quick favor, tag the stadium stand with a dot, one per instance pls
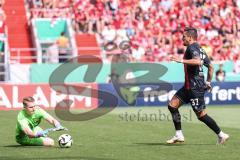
(19, 36)
(46, 33)
(155, 25)
(152, 28)
(87, 44)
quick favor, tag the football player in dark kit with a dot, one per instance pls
(194, 88)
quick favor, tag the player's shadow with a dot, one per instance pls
(176, 144)
(13, 146)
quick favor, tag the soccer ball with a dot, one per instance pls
(65, 141)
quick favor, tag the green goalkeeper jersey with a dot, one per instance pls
(32, 121)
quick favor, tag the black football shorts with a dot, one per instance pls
(193, 96)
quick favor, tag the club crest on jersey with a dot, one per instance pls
(36, 120)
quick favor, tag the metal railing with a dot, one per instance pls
(17, 54)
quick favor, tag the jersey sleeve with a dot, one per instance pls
(42, 113)
(195, 53)
(23, 123)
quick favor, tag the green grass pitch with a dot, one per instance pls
(131, 134)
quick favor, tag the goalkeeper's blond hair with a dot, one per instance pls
(27, 99)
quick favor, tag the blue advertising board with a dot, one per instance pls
(222, 93)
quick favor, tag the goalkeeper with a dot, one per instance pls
(27, 130)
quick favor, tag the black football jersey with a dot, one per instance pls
(194, 77)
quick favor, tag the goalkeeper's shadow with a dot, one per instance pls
(22, 146)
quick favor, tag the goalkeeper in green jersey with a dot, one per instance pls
(27, 130)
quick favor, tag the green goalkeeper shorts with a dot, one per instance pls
(26, 141)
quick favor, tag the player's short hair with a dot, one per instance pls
(192, 32)
(27, 99)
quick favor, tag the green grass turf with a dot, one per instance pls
(117, 137)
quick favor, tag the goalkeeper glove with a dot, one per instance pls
(43, 133)
(59, 127)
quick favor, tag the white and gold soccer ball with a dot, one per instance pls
(65, 141)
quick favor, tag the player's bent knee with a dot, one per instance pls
(172, 104)
(200, 114)
(175, 102)
(202, 119)
(48, 142)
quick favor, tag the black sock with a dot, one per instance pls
(210, 123)
(176, 117)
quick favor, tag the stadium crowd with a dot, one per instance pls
(153, 27)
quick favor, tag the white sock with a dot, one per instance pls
(179, 133)
(221, 134)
